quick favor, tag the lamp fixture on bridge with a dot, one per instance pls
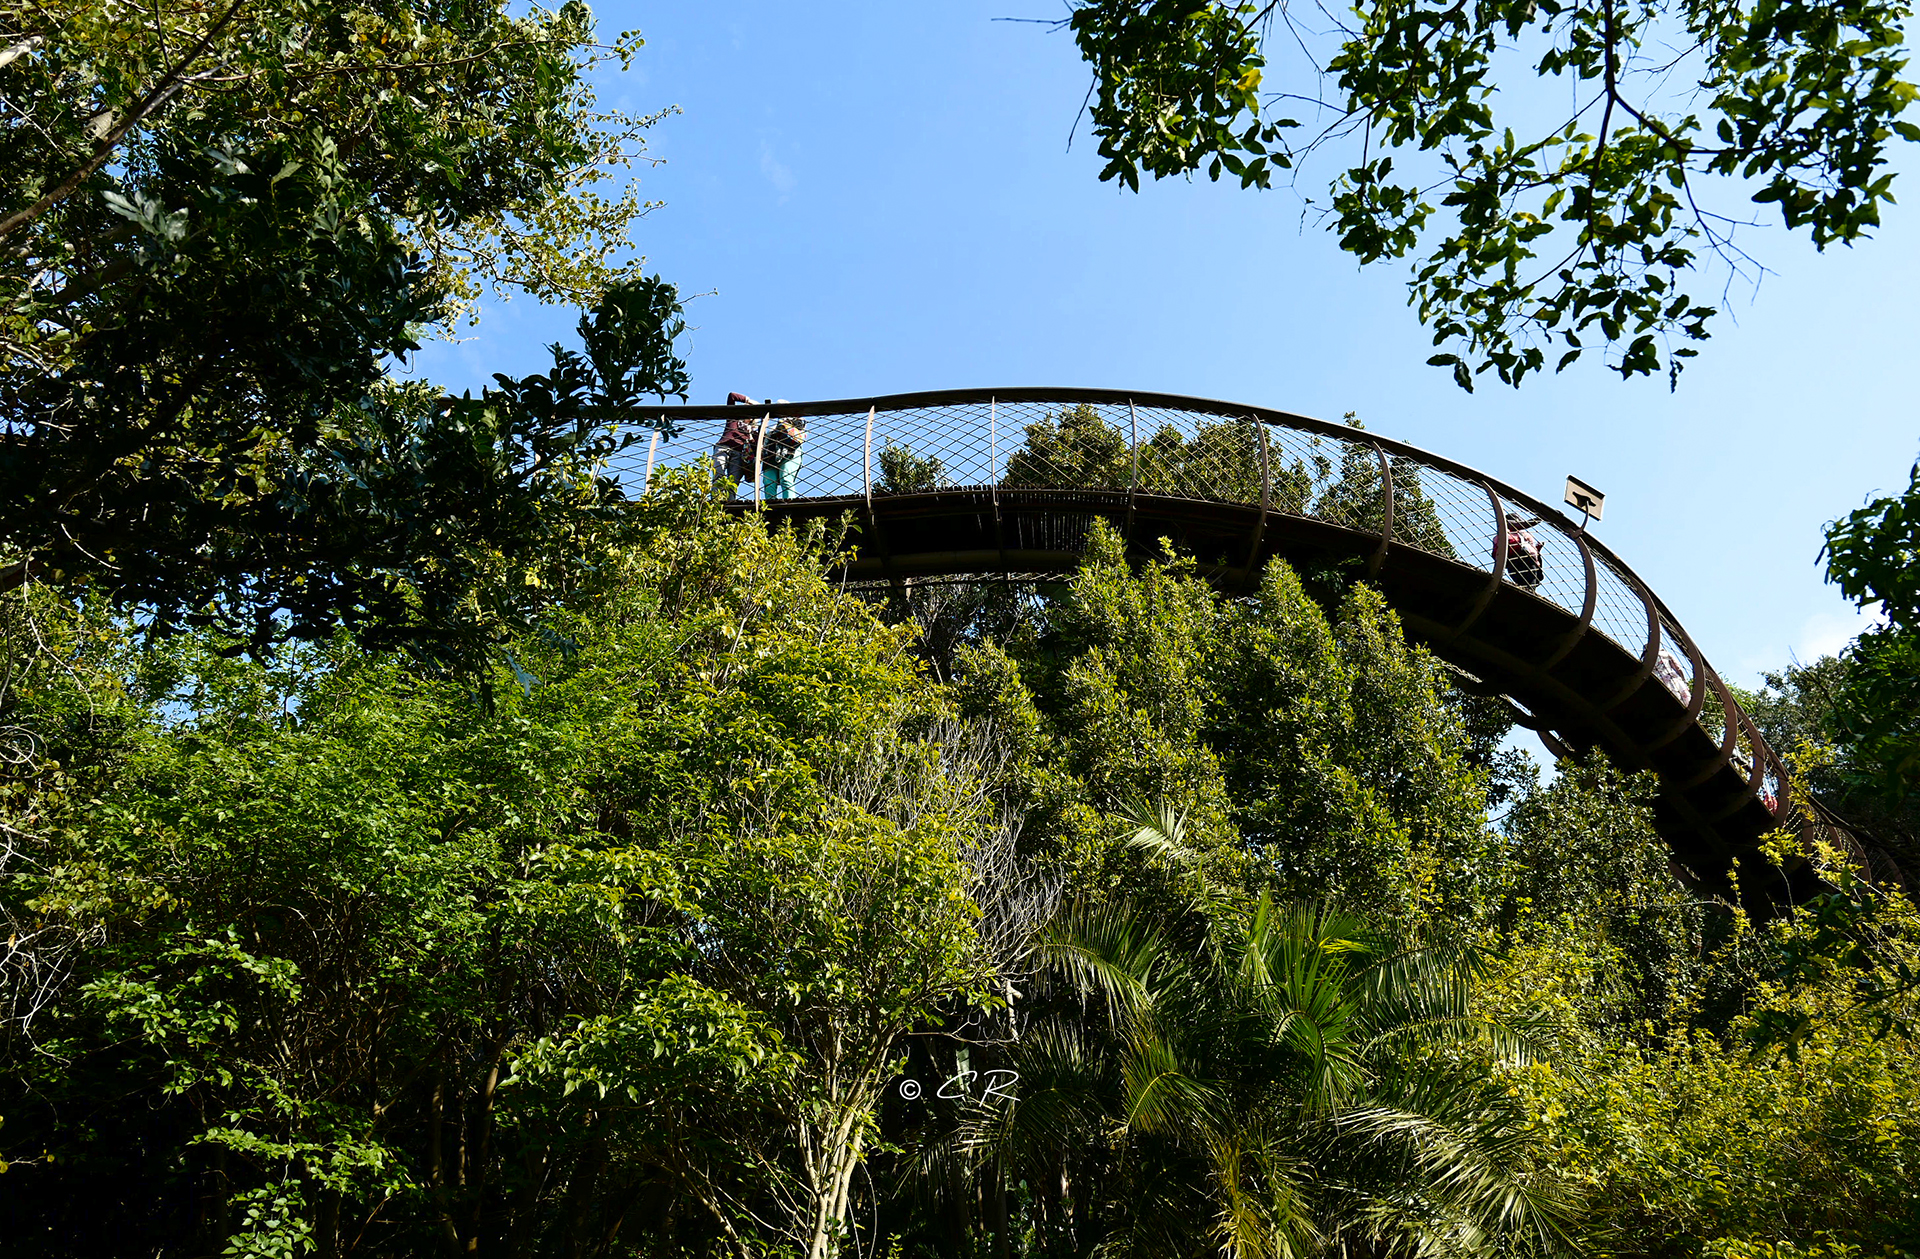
(1586, 498)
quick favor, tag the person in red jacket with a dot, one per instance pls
(733, 453)
(1524, 566)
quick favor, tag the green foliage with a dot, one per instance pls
(1695, 1142)
(1531, 234)
(227, 224)
(1202, 1095)
(1813, 709)
(1580, 867)
(1313, 754)
(474, 131)
(1715, 1087)
(1873, 554)
(325, 956)
(380, 962)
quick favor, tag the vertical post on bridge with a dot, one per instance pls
(1499, 566)
(652, 446)
(1266, 491)
(993, 443)
(1589, 602)
(1696, 694)
(759, 449)
(870, 533)
(1133, 479)
(1649, 654)
(993, 481)
(866, 459)
(1386, 511)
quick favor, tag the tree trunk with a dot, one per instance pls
(581, 1239)
(958, 1196)
(830, 1164)
(840, 1154)
(436, 1169)
(997, 1213)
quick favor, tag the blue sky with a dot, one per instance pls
(876, 198)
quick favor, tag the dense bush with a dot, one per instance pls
(1187, 919)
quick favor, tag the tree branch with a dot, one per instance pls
(163, 91)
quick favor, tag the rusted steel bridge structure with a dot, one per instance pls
(1006, 484)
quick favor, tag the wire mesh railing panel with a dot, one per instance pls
(832, 458)
(1415, 522)
(1086, 446)
(1452, 516)
(1299, 466)
(1713, 717)
(1743, 752)
(1187, 454)
(1770, 793)
(631, 465)
(1562, 575)
(827, 460)
(1350, 492)
(1234, 455)
(1618, 611)
(825, 464)
(929, 448)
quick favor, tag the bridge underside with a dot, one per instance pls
(1577, 687)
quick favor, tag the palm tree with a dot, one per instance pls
(1260, 1081)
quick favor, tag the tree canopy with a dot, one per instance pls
(224, 224)
(750, 918)
(1559, 172)
(410, 844)
(1873, 555)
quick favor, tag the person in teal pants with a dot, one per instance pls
(780, 458)
(776, 479)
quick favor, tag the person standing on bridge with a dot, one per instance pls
(1672, 675)
(733, 453)
(1524, 565)
(780, 457)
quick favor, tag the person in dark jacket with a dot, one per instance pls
(733, 453)
(1524, 565)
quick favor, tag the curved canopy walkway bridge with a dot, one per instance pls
(1006, 484)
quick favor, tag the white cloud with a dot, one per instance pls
(1824, 633)
(777, 172)
(1828, 633)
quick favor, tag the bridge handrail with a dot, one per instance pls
(1764, 770)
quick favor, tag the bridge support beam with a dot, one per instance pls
(1133, 478)
(1266, 499)
(1379, 556)
(1499, 573)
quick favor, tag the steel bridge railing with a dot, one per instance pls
(1189, 448)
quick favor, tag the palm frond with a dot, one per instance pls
(1109, 950)
(1262, 1212)
(1163, 1096)
(1160, 831)
(1465, 1158)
